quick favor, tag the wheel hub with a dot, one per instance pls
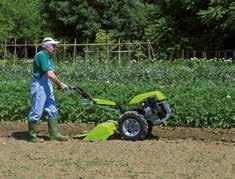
(131, 127)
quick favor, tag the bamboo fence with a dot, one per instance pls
(75, 52)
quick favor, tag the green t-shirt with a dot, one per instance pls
(41, 64)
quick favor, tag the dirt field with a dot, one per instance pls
(170, 153)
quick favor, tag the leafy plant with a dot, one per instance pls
(200, 93)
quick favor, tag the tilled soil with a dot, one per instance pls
(171, 153)
(19, 130)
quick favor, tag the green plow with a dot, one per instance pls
(99, 133)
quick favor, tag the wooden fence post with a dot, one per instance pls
(75, 51)
(107, 50)
(172, 55)
(25, 50)
(36, 46)
(203, 54)
(152, 51)
(129, 50)
(182, 54)
(119, 51)
(5, 52)
(15, 53)
(149, 52)
(65, 51)
(86, 51)
(54, 57)
(137, 49)
(98, 54)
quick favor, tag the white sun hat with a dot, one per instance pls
(49, 41)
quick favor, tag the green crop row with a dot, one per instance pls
(200, 93)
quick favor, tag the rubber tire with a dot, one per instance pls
(150, 129)
(140, 119)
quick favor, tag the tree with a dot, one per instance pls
(20, 19)
(191, 24)
(84, 18)
(216, 17)
(231, 26)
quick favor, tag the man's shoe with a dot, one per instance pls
(54, 132)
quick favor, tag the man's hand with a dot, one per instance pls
(54, 78)
(63, 86)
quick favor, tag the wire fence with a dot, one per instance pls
(105, 52)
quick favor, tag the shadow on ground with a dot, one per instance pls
(23, 135)
(148, 137)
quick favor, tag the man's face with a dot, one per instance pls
(51, 49)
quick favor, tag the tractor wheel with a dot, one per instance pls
(150, 129)
(132, 126)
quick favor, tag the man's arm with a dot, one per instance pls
(56, 80)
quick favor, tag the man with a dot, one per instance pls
(42, 92)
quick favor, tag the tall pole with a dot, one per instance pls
(5, 52)
(75, 51)
(119, 51)
(15, 54)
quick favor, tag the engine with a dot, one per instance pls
(156, 111)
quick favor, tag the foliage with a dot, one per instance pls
(230, 24)
(192, 24)
(170, 25)
(200, 93)
(215, 18)
(20, 19)
(106, 38)
(85, 18)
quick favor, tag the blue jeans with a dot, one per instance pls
(42, 99)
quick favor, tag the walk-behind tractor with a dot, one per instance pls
(137, 120)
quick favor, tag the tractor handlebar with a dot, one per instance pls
(81, 92)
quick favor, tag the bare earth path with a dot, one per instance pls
(172, 153)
